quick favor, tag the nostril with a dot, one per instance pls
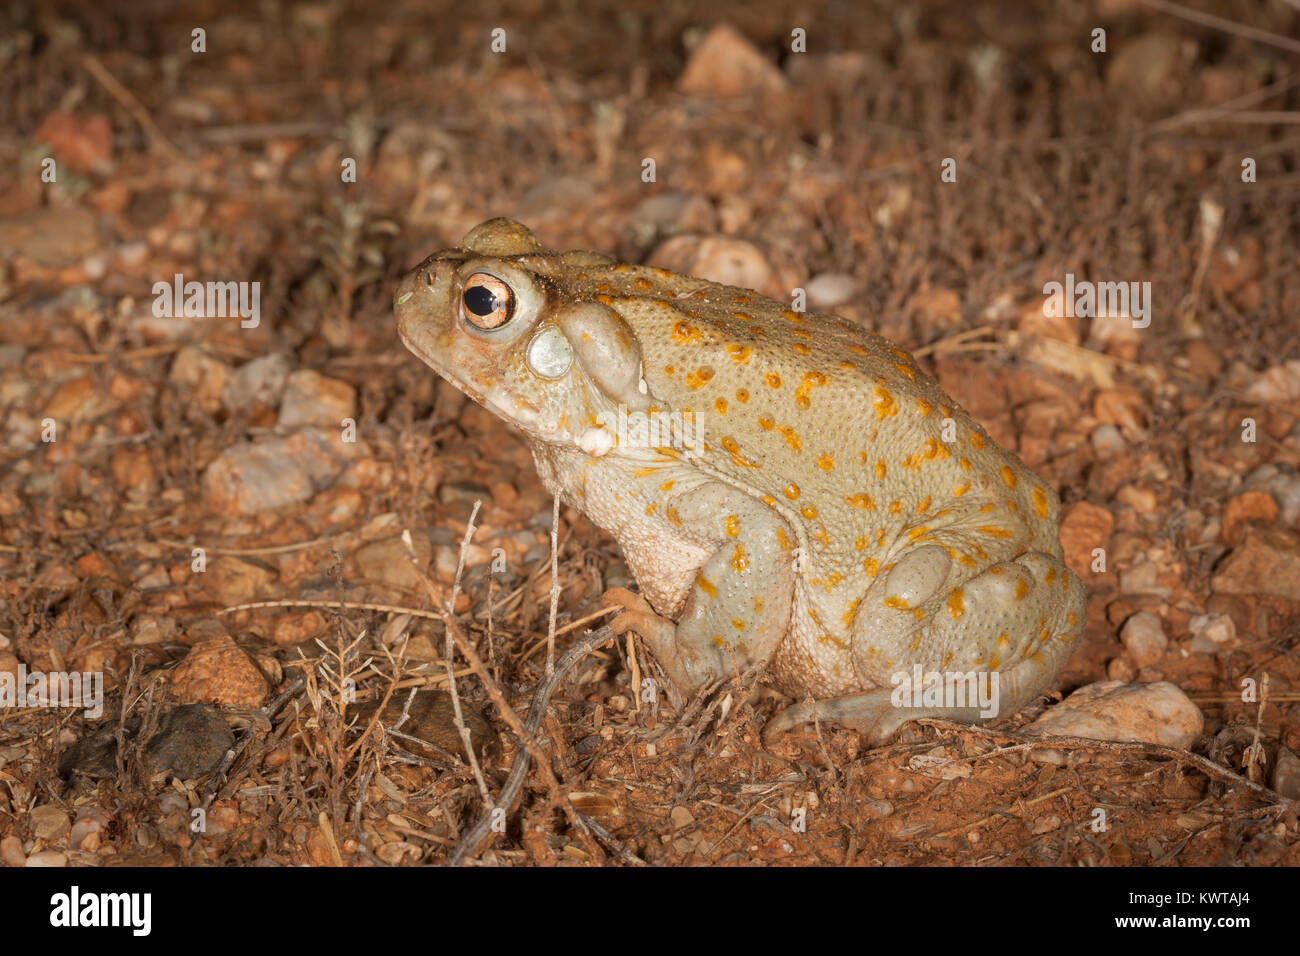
(428, 277)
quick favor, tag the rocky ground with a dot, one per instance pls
(924, 169)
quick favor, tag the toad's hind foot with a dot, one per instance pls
(872, 714)
(879, 714)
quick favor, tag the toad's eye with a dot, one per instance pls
(487, 302)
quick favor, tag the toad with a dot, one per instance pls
(789, 490)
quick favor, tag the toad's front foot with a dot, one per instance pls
(638, 616)
(685, 666)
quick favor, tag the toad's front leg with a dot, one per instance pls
(738, 606)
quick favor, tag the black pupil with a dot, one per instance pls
(480, 300)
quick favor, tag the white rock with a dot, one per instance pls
(1219, 628)
(827, 290)
(1158, 713)
(1143, 635)
(1107, 440)
(259, 382)
(313, 399)
(1286, 774)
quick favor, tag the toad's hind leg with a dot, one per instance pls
(996, 642)
(737, 608)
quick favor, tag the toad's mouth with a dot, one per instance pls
(523, 416)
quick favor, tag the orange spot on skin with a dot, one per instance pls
(667, 485)
(871, 566)
(731, 448)
(651, 509)
(897, 603)
(880, 469)
(976, 440)
(801, 349)
(862, 543)
(781, 537)
(740, 354)
(884, 403)
(684, 333)
(670, 369)
(1039, 497)
(847, 617)
(810, 381)
(791, 437)
(895, 507)
(1022, 590)
(766, 423)
(924, 407)
(739, 560)
(1050, 576)
(923, 505)
(742, 396)
(731, 526)
(700, 377)
(861, 500)
(956, 602)
(1008, 477)
(705, 585)
(825, 462)
(906, 371)
(737, 623)
(792, 491)
(961, 489)
(772, 379)
(994, 531)
(808, 511)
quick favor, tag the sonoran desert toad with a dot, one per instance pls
(821, 508)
